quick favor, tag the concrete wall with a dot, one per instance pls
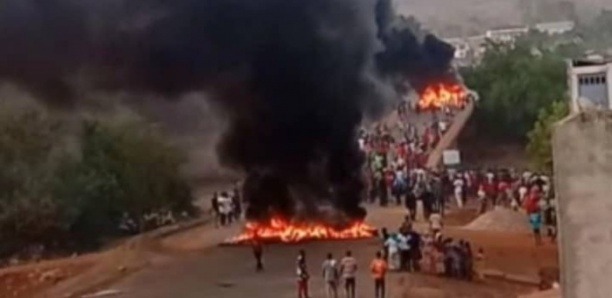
(449, 139)
(582, 152)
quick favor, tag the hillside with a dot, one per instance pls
(458, 17)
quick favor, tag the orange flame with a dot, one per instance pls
(278, 229)
(443, 95)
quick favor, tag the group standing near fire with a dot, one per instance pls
(226, 207)
(396, 171)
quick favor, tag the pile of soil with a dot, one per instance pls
(501, 220)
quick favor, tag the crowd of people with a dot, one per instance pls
(396, 172)
(410, 251)
(528, 192)
(397, 155)
(404, 251)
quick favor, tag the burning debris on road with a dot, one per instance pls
(280, 230)
(443, 95)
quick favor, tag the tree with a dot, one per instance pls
(30, 143)
(539, 147)
(62, 190)
(125, 169)
(514, 82)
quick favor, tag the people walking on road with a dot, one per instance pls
(379, 267)
(393, 256)
(348, 268)
(479, 264)
(532, 206)
(236, 205)
(216, 209)
(331, 275)
(415, 254)
(435, 223)
(302, 275)
(225, 209)
(459, 185)
(258, 253)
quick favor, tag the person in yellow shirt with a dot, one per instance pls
(379, 268)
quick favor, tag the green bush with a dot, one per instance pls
(124, 169)
(30, 142)
(539, 147)
(60, 196)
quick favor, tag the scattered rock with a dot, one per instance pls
(53, 276)
(493, 273)
(104, 293)
(524, 279)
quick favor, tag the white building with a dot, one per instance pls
(590, 83)
(554, 28)
(462, 48)
(506, 35)
(468, 50)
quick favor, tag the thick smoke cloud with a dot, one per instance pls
(294, 78)
(410, 53)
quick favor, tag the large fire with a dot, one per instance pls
(280, 230)
(443, 95)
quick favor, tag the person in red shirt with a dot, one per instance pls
(389, 178)
(401, 150)
(502, 191)
(379, 268)
(532, 206)
(491, 191)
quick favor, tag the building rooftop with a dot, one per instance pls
(509, 28)
(556, 25)
(591, 61)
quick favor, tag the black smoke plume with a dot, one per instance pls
(294, 78)
(410, 53)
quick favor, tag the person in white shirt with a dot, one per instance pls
(442, 126)
(225, 208)
(482, 199)
(522, 193)
(404, 251)
(435, 223)
(393, 248)
(458, 184)
(490, 177)
(362, 144)
(331, 275)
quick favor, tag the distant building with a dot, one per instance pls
(462, 48)
(554, 28)
(506, 34)
(590, 82)
(468, 50)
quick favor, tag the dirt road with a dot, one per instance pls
(200, 269)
